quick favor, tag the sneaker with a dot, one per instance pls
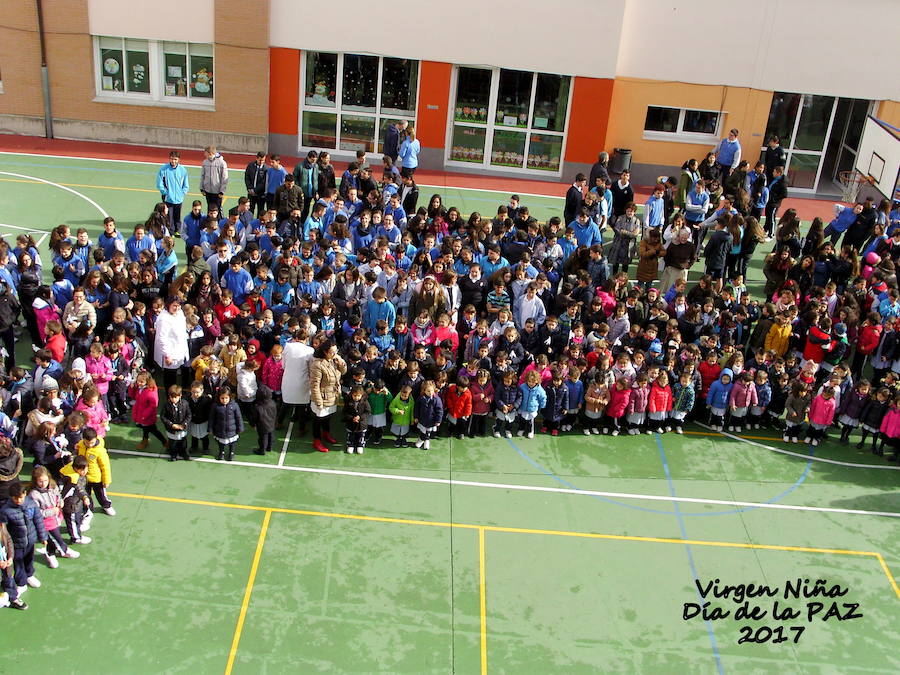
(82, 540)
(786, 440)
(419, 444)
(18, 603)
(731, 428)
(859, 446)
(595, 431)
(109, 510)
(71, 553)
(427, 445)
(519, 433)
(543, 430)
(33, 581)
(496, 434)
(794, 439)
(586, 432)
(52, 562)
(508, 434)
(86, 521)
(397, 443)
(554, 433)
(678, 430)
(21, 589)
(606, 432)
(648, 432)
(350, 450)
(530, 434)
(807, 440)
(668, 429)
(614, 432)
(360, 451)
(815, 442)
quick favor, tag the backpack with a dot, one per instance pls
(9, 308)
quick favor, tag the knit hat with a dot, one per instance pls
(48, 384)
(840, 329)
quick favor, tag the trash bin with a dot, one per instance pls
(621, 160)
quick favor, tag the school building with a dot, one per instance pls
(528, 89)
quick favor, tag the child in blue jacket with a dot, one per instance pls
(576, 398)
(507, 398)
(717, 399)
(557, 404)
(534, 399)
(763, 398)
(427, 414)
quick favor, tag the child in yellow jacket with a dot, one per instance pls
(99, 471)
(779, 336)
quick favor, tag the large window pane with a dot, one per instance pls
(700, 122)
(138, 61)
(321, 79)
(662, 119)
(551, 97)
(382, 129)
(398, 86)
(513, 98)
(467, 144)
(814, 120)
(856, 123)
(508, 148)
(319, 130)
(782, 115)
(201, 71)
(473, 91)
(176, 68)
(360, 82)
(112, 66)
(544, 152)
(357, 133)
(802, 170)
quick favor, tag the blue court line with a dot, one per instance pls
(743, 509)
(690, 554)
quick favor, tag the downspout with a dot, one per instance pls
(45, 74)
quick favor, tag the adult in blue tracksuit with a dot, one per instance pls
(655, 210)
(193, 226)
(586, 231)
(717, 398)
(843, 221)
(172, 183)
(141, 240)
(409, 153)
(237, 280)
(379, 308)
(728, 154)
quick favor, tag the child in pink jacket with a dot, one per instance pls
(98, 367)
(92, 406)
(890, 431)
(742, 397)
(637, 405)
(821, 414)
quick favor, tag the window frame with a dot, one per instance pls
(491, 126)
(681, 136)
(156, 76)
(338, 110)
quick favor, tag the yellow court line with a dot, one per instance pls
(106, 187)
(712, 433)
(520, 530)
(482, 591)
(248, 592)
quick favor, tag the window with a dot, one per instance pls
(681, 124)
(509, 119)
(349, 100)
(154, 72)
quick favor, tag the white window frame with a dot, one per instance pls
(156, 96)
(491, 125)
(338, 111)
(680, 136)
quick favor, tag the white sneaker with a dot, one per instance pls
(419, 444)
(668, 429)
(614, 432)
(110, 511)
(648, 432)
(815, 442)
(71, 553)
(730, 428)
(678, 430)
(86, 521)
(595, 431)
(786, 439)
(586, 432)
(350, 450)
(795, 440)
(530, 434)
(33, 581)
(807, 440)
(520, 433)
(427, 445)
(496, 434)
(82, 540)
(52, 562)
(508, 434)
(21, 589)
(360, 451)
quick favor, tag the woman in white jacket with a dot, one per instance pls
(171, 345)
(295, 383)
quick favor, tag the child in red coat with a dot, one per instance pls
(659, 404)
(146, 401)
(458, 404)
(619, 397)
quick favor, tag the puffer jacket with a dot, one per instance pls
(638, 399)
(890, 425)
(683, 397)
(507, 395)
(708, 375)
(359, 409)
(200, 408)
(852, 404)
(796, 408)
(402, 411)
(50, 503)
(325, 381)
(821, 410)
(873, 413)
(458, 402)
(594, 398)
(660, 399)
(719, 392)
(429, 411)
(743, 395)
(533, 399)
(869, 337)
(225, 421)
(24, 523)
(99, 469)
(763, 394)
(482, 406)
(266, 411)
(176, 413)
(557, 402)
(618, 402)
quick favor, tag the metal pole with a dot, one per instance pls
(45, 73)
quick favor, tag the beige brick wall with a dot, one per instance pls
(241, 72)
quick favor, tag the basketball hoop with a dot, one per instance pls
(851, 182)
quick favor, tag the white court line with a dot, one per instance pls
(197, 166)
(524, 488)
(41, 240)
(284, 447)
(24, 229)
(883, 467)
(61, 187)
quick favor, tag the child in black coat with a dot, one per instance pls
(266, 417)
(356, 416)
(200, 403)
(225, 423)
(176, 417)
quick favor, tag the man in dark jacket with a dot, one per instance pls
(409, 196)
(26, 527)
(600, 169)
(306, 177)
(574, 199)
(716, 253)
(473, 288)
(777, 193)
(392, 137)
(255, 181)
(775, 156)
(862, 228)
(288, 197)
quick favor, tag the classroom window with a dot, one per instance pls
(153, 72)
(364, 94)
(663, 123)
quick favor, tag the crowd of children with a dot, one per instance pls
(447, 325)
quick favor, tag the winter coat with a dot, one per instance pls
(265, 410)
(100, 371)
(24, 523)
(273, 373)
(557, 402)
(797, 407)
(619, 399)
(200, 408)
(533, 399)
(660, 399)
(778, 338)
(890, 425)
(146, 401)
(507, 396)
(96, 415)
(624, 246)
(763, 394)
(458, 402)
(359, 409)
(719, 392)
(402, 411)
(852, 404)
(325, 381)
(638, 400)
(214, 175)
(648, 265)
(576, 393)
(708, 375)
(817, 343)
(821, 411)
(225, 421)
(428, 411)
(873, 413)
(594, 398)
(683, 397)
(176, 413)
(868, 339)
(49, 502)
(481, 406)
(743, 395)
(99, 469)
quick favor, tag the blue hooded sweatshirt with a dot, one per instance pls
(719, 391)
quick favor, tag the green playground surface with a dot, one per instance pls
(571, 554)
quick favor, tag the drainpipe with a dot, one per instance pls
(45, 74)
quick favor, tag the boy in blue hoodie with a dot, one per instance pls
(717, 399)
